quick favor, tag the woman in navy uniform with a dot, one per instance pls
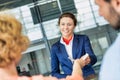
(69, 47)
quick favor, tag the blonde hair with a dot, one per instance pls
(12, 41)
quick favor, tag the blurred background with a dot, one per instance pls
(39, 19)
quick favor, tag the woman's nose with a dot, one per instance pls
(66, 26)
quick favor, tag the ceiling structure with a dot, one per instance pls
(13, 3)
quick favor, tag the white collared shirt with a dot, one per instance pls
(68, 47)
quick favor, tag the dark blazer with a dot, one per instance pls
(59, 56)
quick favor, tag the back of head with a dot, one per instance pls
(12, 41)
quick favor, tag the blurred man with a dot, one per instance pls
(110, 68)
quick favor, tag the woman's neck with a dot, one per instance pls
(8, 71)
(67, 41)
(67, 37)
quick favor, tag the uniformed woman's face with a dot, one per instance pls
(66, 27)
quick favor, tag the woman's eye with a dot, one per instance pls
(69, 24)
(62, 24)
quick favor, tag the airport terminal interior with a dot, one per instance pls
(39, 19)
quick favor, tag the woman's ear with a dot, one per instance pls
(116, 5)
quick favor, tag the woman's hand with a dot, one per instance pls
(85, 60)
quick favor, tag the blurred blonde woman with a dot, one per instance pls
(12, 44)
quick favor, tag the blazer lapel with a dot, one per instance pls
(63, 50)
(65, 55)
(75, 47)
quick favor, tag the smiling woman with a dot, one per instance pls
(70, 47)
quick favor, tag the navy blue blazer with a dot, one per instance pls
(60, 60)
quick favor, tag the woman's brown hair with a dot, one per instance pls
(70, 15)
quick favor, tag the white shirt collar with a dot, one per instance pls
(61, 41)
